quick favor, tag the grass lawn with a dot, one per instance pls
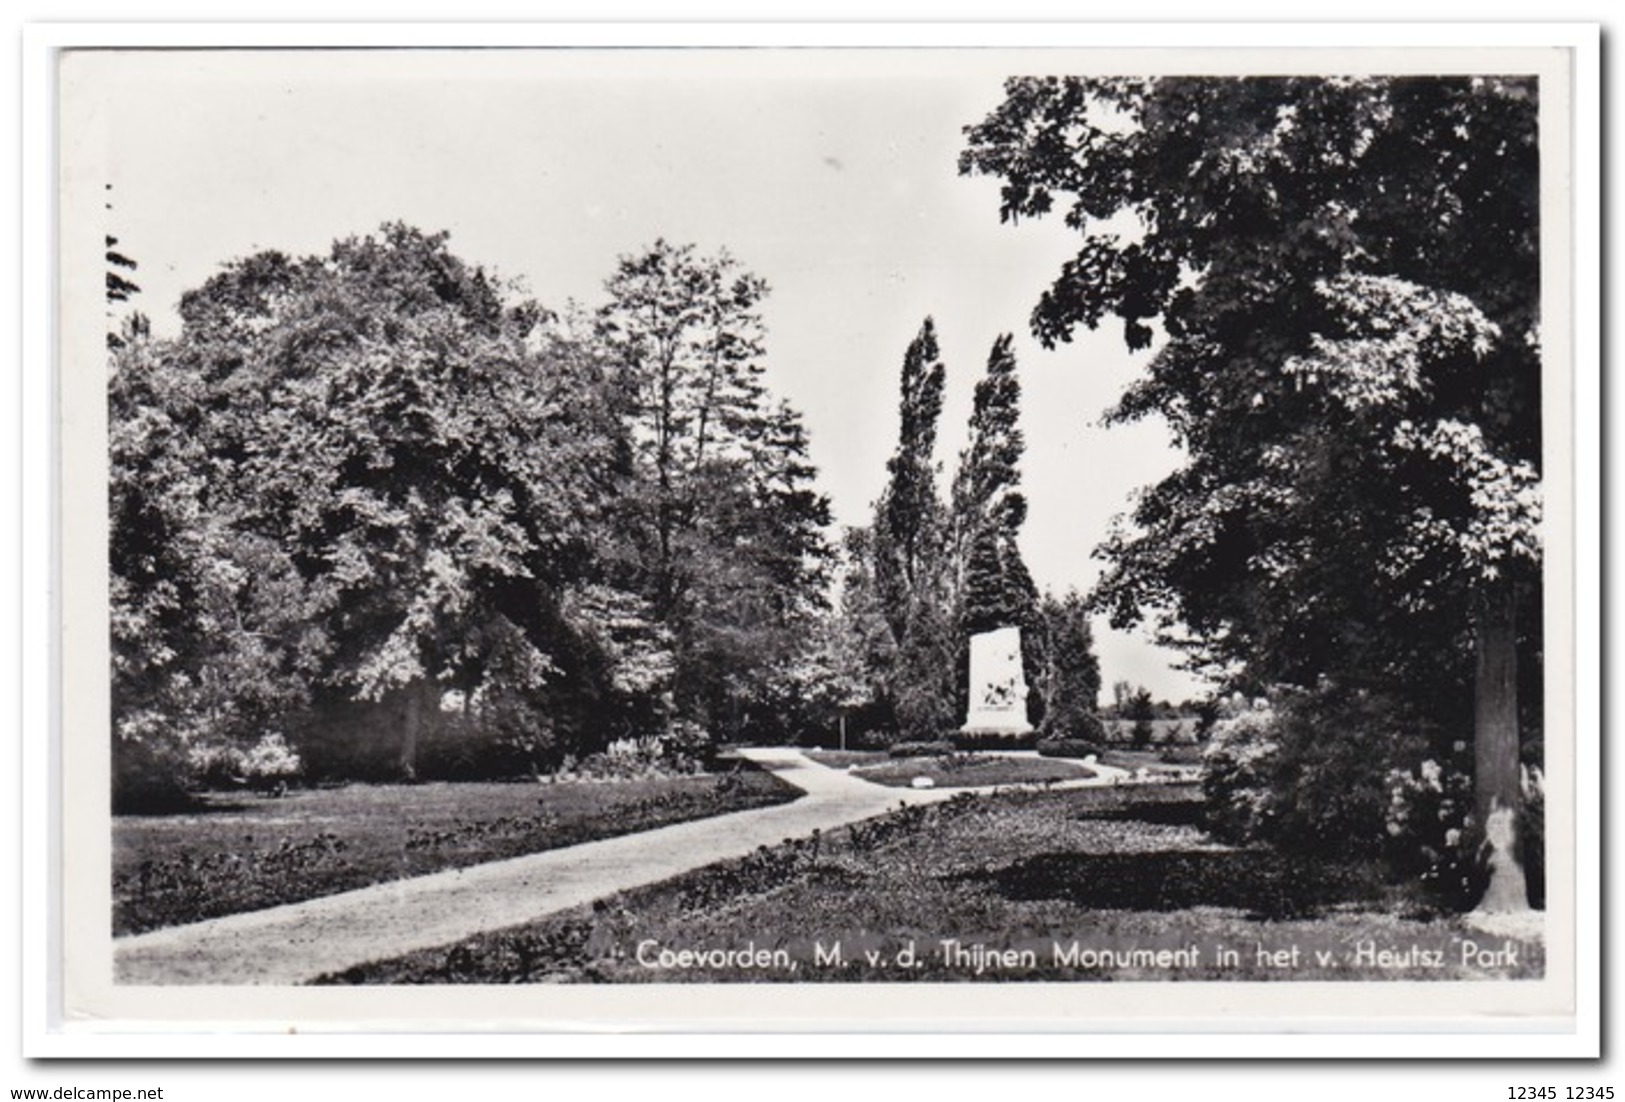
(241, 853)
(1152, 760)
(840, 759)
(1094, 884)
(972, 771)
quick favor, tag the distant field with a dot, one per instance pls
(1159, 758)
(243, 853)
(1162, 730)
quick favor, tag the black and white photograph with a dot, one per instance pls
(1043, 535)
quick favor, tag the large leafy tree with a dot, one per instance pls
(215, 635)
(1345, 272)
(862, 651)
(380, 480)
(720, 526)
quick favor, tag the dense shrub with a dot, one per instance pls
(685, 749)
(1432, 838)
(1067, 748)
(1436, 843)
(1068, 671)
(269, 764)
(472, 751)
(149, 776)
(1073, 725)
(1237, 775)
(688, 746)
(993, 740)
(1532, 834)
(1309, 771)
(1352, 774)
(164, 775)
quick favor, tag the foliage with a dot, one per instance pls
(359, 482)
(134, 327)
(1432, 838)
(214, 631)
(1437, 845)
(686, 750)
(858, 649)
(988, 508)
(1272, 775)
(1069, 680)
(119, 288)
(720, 530)
(268, 764)
(911, 568)
(151, 776)
(1141, 712)
(927, 575)
(350, 476)
(1346, 277)
(1068, 747)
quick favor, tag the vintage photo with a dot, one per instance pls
(1043, 530)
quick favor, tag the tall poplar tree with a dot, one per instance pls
(988, 506)
(911, 544)
(993, 586)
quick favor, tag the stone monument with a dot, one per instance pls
(998, 687)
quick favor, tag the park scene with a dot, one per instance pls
(470, 629)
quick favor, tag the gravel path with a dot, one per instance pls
(296, 942)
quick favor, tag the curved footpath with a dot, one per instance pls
(297, 942)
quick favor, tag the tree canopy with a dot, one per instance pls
(912, 564)
(989, 508)
(722, 530)
(1345, 273)
(377, 476)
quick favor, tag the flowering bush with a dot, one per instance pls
(1236, 767)
(687, 745)
(269, 763)
(684, 749)
(1532, 834)
(1432, 836)
(1308, 770)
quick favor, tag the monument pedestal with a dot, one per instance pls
(998, 686)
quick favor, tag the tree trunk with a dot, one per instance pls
(412, 727)
(1497, 782)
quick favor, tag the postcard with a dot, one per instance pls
(736, 535)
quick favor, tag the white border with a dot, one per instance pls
(39, 416)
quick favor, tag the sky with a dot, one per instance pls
(833, 175)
